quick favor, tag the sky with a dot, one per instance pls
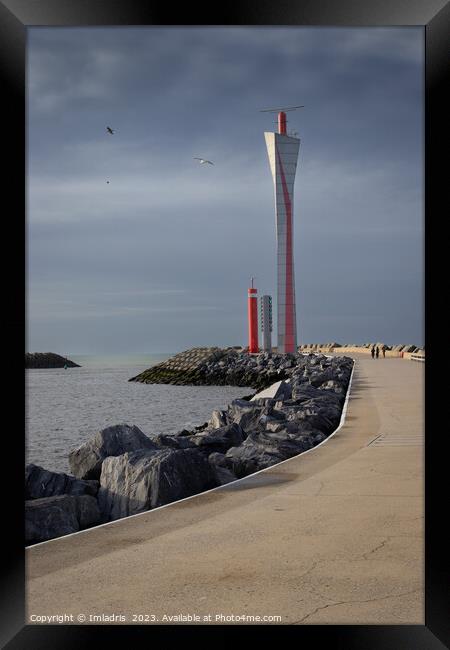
(159, 259)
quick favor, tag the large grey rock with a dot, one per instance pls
(218, 419)
(250, 458)
(278, 390)
(86, 461)
(88, 513)
(218, 460)
(40, 483)
(222, 472)
(144, 479)
(308, 418)
(220, 440)
(220, 465)
(173, 441)
(273, 424)
(223, 475)
(263, 449)
(55, 516)
(244, 413)
(333, 385)
(318, 378)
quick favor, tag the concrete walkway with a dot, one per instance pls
(332, 536)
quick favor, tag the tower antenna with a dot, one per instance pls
(282, 121)
(277, 110)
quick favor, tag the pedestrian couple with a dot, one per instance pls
(375, 351)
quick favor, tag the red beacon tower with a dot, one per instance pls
(252, 302)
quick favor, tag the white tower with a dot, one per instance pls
(283, 154)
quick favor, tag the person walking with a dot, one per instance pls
(372, 352)
(377, 352)
(383, 349)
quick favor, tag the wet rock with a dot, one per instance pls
(86, 461)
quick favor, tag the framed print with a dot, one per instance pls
(148, 152)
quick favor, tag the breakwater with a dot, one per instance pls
(122, 471)
(47, 360)
(220, 367)
(400, 350)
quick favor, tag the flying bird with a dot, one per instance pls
(203, 161)
(110, 130)
(107, 182)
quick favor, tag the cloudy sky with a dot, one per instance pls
(159, 258)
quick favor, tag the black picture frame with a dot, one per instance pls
(15, 17)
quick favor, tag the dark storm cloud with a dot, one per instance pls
(161, 255)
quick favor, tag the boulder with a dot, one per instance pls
(174, 441)
(223, 475)
(306, 419)
(333, 385)
(273, 424)
(222, 472)
(318, 378)
(55, 516)
(86, 461)
(218, 419)
(220, 440)
(244, 413)
(40, 483)
(262, 449)
(278, 390)
(88, 513)
(140, 480)
(250, 458)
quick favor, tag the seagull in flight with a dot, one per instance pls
(110, 130)
(203, 161)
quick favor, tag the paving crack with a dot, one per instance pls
(383, 543)
(348, 602)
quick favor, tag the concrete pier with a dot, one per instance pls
(334, 535)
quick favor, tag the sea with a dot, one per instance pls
(65, 408)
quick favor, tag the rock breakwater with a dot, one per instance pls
(220, 367)
(122, 471)
(47, 360)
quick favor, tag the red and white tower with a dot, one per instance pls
(283, 154)
(252, 302)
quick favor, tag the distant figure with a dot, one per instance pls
(372, 351)
(383, 349)
(377, 352)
